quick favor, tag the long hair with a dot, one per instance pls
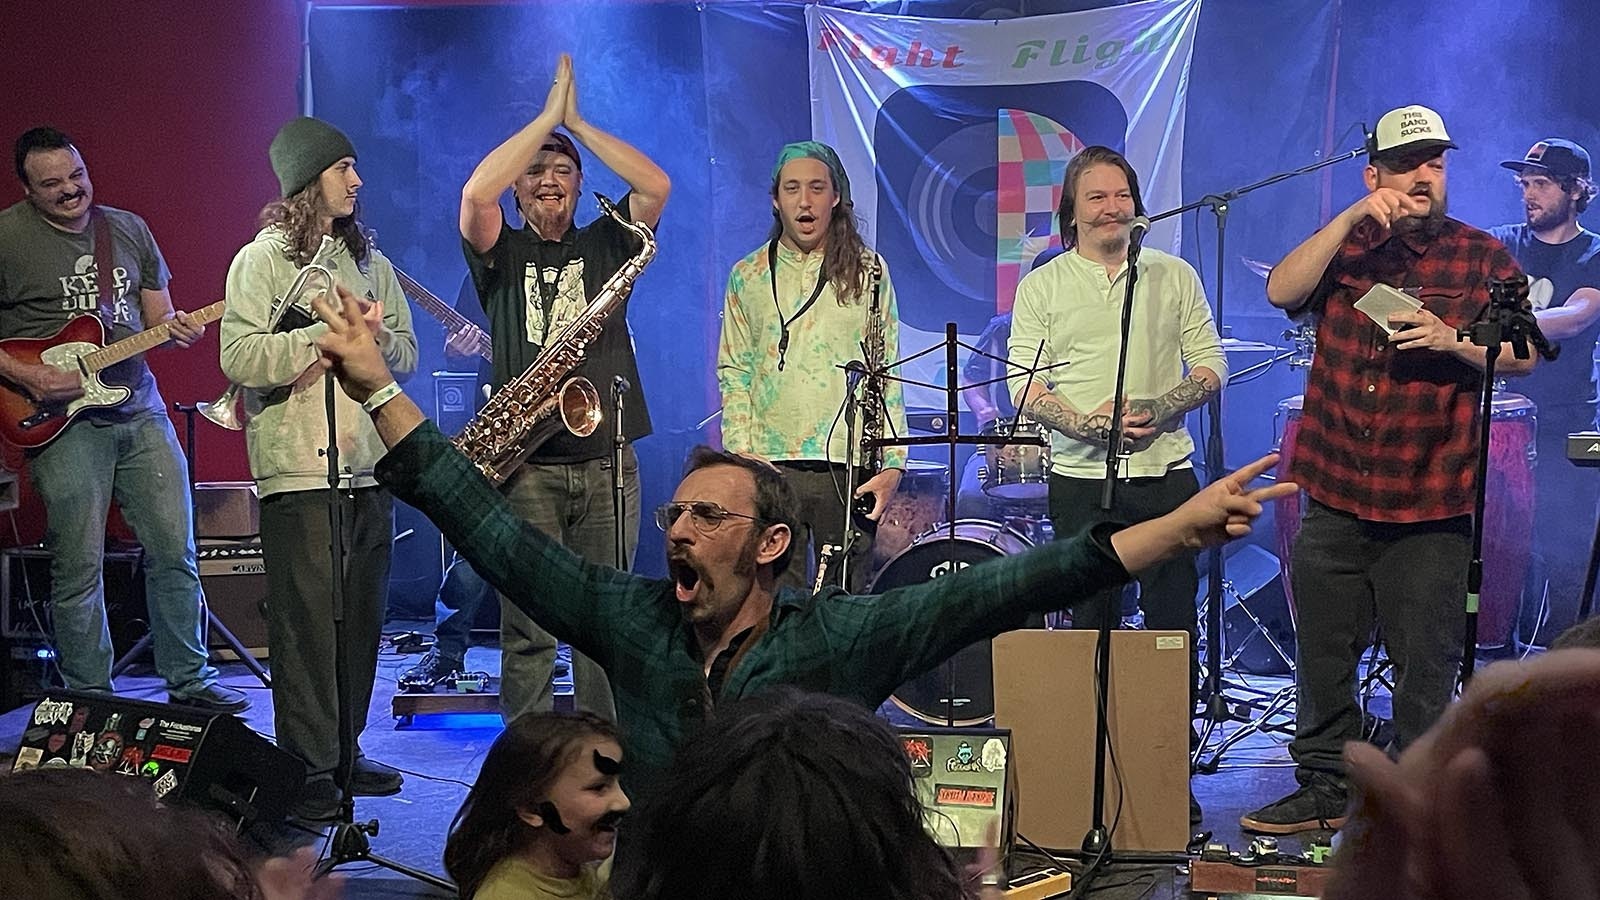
(1088, 157)
(522, 764)
(845, 255)
(298, 216)
(75, 834)
(787, 796)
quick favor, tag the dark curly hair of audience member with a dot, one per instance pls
(517, 772)
(76, 834)
(786, 796)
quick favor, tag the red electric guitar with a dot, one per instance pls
(79, 347)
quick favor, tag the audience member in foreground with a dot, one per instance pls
(541, 820)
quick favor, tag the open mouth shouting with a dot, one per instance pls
(73, 202)
(685, 576)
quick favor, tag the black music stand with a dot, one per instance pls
(212, 622)
(952, 438)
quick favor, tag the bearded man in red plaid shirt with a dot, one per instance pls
(1386, 454)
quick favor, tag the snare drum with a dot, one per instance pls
(1016, 471)
(930, 555)
(1508, 510)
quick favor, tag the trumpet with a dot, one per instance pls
(313, 280)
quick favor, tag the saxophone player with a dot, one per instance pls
(533, 279)
(797, 308)
(286, 435)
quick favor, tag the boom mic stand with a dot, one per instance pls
(1217, 710)
(1507, 318)
(619, 497)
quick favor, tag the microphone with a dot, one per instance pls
(854, 371)
(620, 385)
(1136, 233)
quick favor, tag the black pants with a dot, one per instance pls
(294, 546)
(818, 488)
(1166, 591)
(1348, 573)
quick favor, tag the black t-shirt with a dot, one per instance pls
(531, 288)
(1563, 389)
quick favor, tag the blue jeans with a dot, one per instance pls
(139, 464)
(456, 608)
(572, 503)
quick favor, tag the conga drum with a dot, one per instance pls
(1507, 516)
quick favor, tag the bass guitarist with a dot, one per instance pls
(62, 256)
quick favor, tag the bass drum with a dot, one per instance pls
(931, 554)
(1508, 510)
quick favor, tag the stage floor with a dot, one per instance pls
(440, 755)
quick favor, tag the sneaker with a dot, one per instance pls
(1318, 805)
(433, 670)
(319, 801)
(370, 778)
(213, 698)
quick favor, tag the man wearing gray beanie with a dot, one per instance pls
(532, 281)
(315, 220)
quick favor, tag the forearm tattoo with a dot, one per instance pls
(1191, 393)
(1090, 428)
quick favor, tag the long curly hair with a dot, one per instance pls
(844, 259)
(521, 765)
(298, 216)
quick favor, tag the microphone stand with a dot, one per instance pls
(619, 501)
(855, 370)
(350, 841)
(1098, 839)
(1217, 709)
(1507, 317)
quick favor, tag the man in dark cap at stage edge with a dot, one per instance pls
(720, 628)
(1386, 454)
(533, 281)
(1562, 260)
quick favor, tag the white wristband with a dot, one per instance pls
(381, 396)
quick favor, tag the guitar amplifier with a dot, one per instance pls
(25, 594)
(1583, 448)
(204, 759)
(234, 576)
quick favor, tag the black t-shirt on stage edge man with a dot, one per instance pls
(531, 288)
(1564, 389)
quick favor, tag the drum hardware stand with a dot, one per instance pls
(1216, 705)
(951, 439)
(1507, 317)
(212, 622)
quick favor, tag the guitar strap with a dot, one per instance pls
(104, 266)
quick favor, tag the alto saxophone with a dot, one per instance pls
(536, 405)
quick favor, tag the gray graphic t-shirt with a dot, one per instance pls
(48, 276)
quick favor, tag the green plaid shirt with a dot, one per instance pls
(857, 647)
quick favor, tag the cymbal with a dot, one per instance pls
(1234, 345)
(1257, 266)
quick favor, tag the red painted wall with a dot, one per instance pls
(172, 106)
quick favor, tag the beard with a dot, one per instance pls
(1425, 226)
(1551, 217)
(550, 224)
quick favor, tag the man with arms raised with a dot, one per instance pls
(720, 628)
(61, 256)
(533, 281)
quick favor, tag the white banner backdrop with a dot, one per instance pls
(966, 127)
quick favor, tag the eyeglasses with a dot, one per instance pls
(706, 516)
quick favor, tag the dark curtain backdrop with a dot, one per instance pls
(711, 90)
